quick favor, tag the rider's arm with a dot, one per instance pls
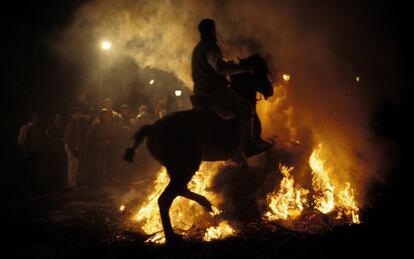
(215, 59)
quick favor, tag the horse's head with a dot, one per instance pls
(258, 81)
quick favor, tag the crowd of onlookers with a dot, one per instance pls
(86, 149)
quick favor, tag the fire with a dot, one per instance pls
(185, 214)
(324, 190)
(289, 201)
(329, 195)
(222, 231)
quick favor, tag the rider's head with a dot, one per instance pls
(207, 29)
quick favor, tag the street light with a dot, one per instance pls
(105, 46)
(286, 77)
(178, 93)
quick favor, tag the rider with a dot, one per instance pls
(209, 71)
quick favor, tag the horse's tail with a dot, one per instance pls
(143, 132)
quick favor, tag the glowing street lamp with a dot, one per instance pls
(178, 93)
(286, 77)
(106, 45)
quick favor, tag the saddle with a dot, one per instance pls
(204, 102)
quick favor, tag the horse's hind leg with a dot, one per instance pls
(179, 177)
(164, 203)
(197, 198)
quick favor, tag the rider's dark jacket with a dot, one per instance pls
(209, 69)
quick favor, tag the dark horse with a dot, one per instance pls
(181, 140)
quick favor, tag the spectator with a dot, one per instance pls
(31, 140)
(84, 105)
(161, 109)
(97, 149)
(56, 153)
(143, 117)
(125, 117)
(74, 144)
(108, 105)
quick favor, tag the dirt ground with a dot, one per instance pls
(86, 223)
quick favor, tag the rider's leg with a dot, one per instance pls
(243, 108)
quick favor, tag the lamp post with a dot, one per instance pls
(105, 47)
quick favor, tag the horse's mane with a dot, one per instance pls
(257, 62)
(245, 84)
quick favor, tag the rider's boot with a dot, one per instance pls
(251, 146)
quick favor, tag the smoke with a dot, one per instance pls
(319, 45)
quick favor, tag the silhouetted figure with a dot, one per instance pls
(144, 117)
(32, 142)
(56, 153)
(97, 145)
(121, 138)
(181, 140)
(209, 71)
(108, 105)
(75, 133)
(83, 104)
(126, 120)
(161, 108)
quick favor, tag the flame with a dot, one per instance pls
(184, 213)
(221, 231)
(329, 196)
(289, 201)
(324, 190)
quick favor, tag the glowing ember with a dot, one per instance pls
(184, 213)
(222, 231)
(289, 201)
(122, 208)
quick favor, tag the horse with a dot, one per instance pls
(182, 140)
